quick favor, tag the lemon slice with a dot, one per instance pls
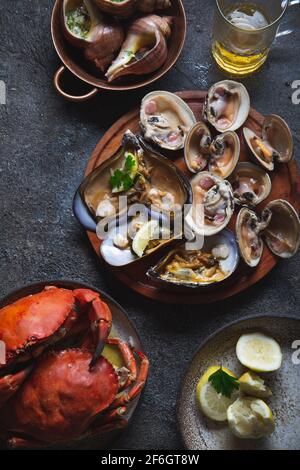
(213, 404)
(253, 385)
(149, 231)
(250, 418)
(259, 352)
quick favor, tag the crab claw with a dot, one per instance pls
(100, 318)
(9, 384)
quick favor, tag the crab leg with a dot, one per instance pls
(126, 397)
(9, 384)
(100, 319)
(128, 358)
(23, 443)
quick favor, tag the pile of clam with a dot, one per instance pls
(119, 37)
(219, 183)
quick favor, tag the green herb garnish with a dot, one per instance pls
(223, 383)
(123, 179)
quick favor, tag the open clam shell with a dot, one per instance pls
(251, 184)
(196, 147)
(248, 237)
(155, 181)
(278, 225)
(134, 238)
(220, 155)
(282, 235)
(212, 264)
(274, 145)
(213, 204)
(227, 106)
(166, 119)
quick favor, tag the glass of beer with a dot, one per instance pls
(243, 33)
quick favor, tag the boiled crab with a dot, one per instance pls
(67, 392)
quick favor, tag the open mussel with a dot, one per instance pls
(212, 264)
(213, 204)
(220, 155)
(166, 119)
(135, 237)
(274, 145)
(137, 173)
(251, 184)
(145, 48)
(227, 106)
(278, 226)
(84, 26)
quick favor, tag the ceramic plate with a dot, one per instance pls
(122, 328)
(200, 433)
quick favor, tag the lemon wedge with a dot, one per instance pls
(213, 404)
(259, 352)
(253, 385)
(250, 418)
(148, 231)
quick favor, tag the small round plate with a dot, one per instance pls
(122, 328)
(200, 433)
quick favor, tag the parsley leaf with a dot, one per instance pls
(223, 383)
(122, 179)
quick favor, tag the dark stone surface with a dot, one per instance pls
(45, 145)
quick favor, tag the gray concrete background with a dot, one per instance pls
(45, 145)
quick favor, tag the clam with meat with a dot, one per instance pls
(278, 226)
(251, 184)
(166, 119)
(227, 106)
(220, 155)
(213, 204)
(213, 263)
(275, 145)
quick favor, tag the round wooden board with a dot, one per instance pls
(285, 185)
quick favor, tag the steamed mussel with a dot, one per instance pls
(213, 263)
(137, 173)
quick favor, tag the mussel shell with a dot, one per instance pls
(250, 260)
(118, 257)
(229, 265)
(249, 170)
(208, 230)
(94, 187)
(242, 105)
(285, 222)
(179, 106)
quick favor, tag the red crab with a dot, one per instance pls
(55, 394)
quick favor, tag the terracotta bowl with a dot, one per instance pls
(73, 60)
